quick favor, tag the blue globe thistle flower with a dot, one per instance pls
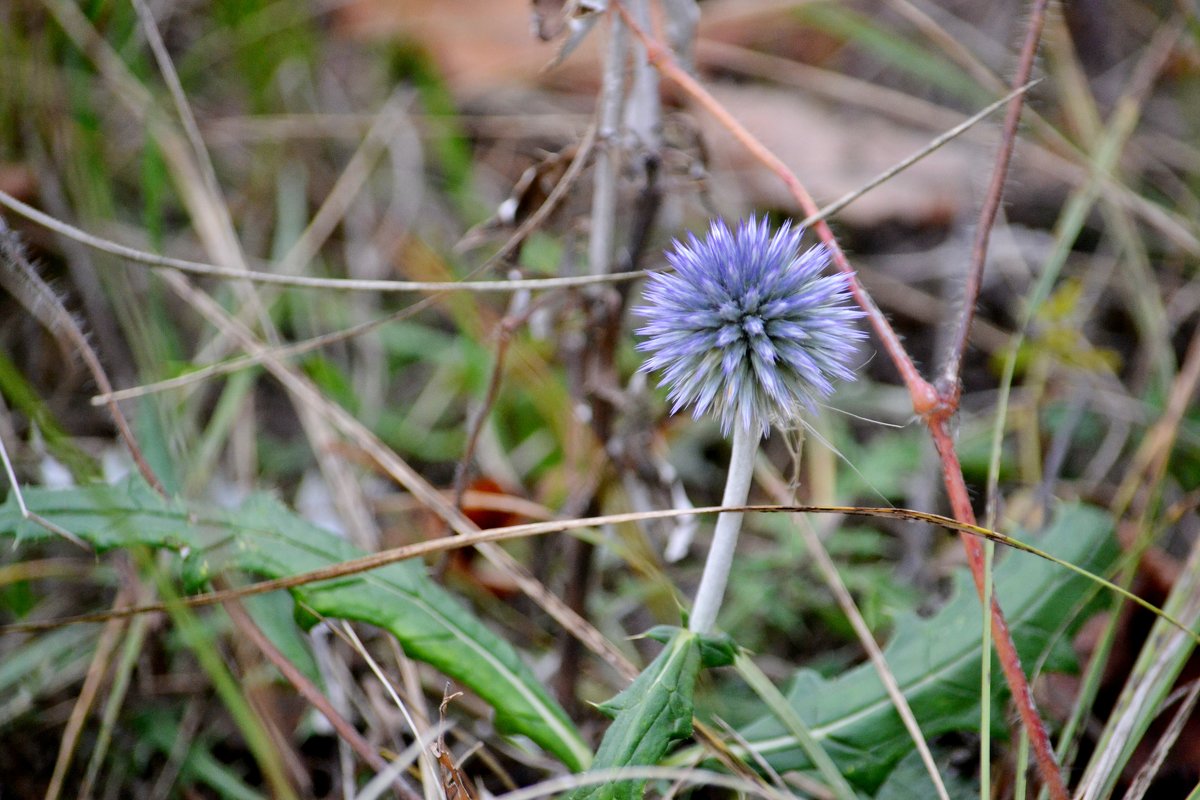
(747, 326)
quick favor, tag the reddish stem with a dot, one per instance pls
(1010, 660)
(949, 383)
(308, 690)
(934, 407)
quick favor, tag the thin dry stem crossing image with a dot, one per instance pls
(603, 399)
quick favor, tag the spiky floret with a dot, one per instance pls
(747, 326)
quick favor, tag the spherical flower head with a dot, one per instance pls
(748, 327)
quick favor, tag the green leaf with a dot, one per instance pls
(266, 539)
(937, 661)
(654, 711)
(910, 781)
(716, 649)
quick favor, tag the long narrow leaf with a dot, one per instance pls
(266, 539)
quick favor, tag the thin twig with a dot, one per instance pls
(934, 144)
(306, 689)
(608, 153)
(583, 153)
(612, 137)
(1010, 660)
(16, 488)
(26, 514)
(301, 281)
(949, 387)
(504, 333)
(949, 383)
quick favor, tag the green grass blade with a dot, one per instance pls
(1162, 658)
(796, 727)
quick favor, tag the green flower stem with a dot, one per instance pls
(729, 524)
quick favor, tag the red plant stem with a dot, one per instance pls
(934, 407)
(1006, 651)
(949, 382)
(949, 388)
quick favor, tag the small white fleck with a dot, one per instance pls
(54, 474)
(507, 212)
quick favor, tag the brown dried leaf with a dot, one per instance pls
(478, 44)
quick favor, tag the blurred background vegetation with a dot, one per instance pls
(409, 140)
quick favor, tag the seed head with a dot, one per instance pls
(747, 326)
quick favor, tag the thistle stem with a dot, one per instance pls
(729, 524)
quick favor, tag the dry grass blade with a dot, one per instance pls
(97, 669)
(845, 601)
(420, 732)
(348, 184)
(486, 539)
(302, 281)
(1155, 448)
(934, 144)
(281, 352)
(1141, 783)
(1163, 656)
